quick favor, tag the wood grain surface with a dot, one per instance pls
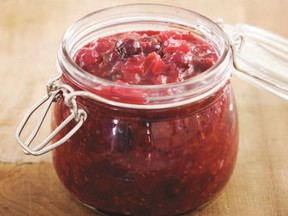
(30, 33)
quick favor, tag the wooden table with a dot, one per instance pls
(30, 33)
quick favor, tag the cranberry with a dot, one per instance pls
(151, 44)
(128, 47)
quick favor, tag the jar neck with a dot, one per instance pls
(140, 18)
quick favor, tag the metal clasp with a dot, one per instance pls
(237, 42)
(54, 94)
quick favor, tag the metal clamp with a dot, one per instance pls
(236, 43)
(54, 94)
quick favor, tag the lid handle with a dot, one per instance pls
(260, 57)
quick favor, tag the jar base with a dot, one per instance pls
(107, 213)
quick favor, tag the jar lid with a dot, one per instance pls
(260, 57)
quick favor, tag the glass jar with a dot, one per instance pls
(138, 149)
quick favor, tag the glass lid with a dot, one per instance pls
(260, 57)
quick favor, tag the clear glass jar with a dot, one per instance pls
(142, 150)
(165, 156)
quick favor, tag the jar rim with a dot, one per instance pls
(193, 89)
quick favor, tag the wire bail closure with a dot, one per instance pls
(237, 42)
(55, 93)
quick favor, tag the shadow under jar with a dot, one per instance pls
(147, 149)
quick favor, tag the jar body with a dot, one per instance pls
(146, 149)
(149, 162)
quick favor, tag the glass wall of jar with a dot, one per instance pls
(147, 149)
